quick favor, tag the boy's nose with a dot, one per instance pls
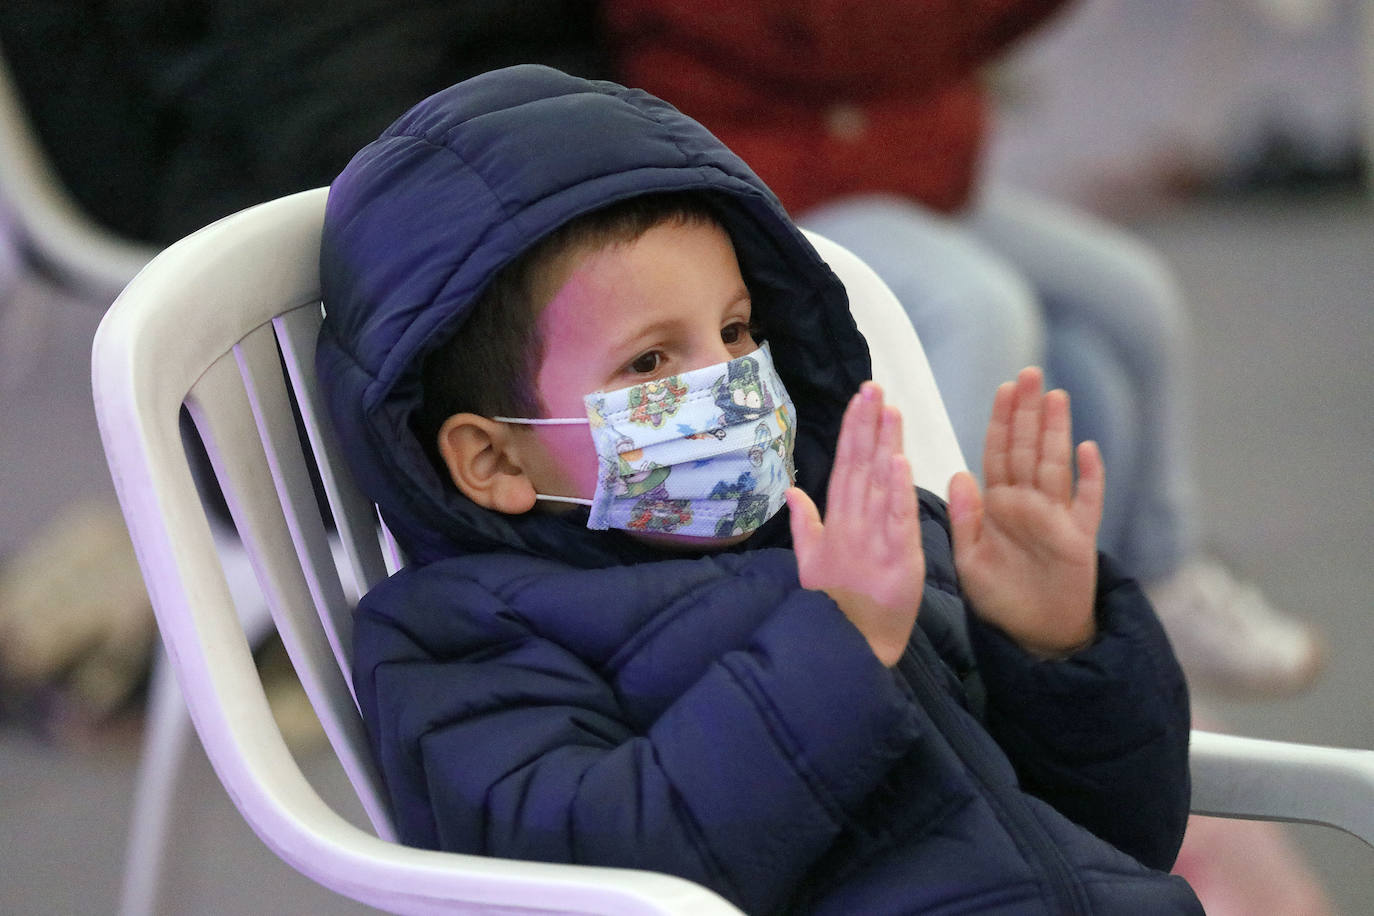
(714, 352)
(710, 358)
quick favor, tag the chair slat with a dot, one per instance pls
(354, 514)
(257, 359)
(225, 406)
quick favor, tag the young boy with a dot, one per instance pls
(579, 356)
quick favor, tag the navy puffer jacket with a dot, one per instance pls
(537, 690)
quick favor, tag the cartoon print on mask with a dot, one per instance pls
(657, 512)
(744, 485)
(627, 480)
(751, 510)
(687, 433)
(763, 438)
(698, 453)
(596, 411)
(740, 393)
(653, 402)
(784, 444)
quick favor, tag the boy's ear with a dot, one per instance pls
(484, 465)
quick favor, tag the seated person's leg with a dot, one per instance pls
(1088, 273)
(1080, 361)
(976, 318)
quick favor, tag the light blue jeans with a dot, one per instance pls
(1016, 280)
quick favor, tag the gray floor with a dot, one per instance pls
(1281, 293)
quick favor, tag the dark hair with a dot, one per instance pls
(488, 366)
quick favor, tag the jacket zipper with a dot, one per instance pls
(1013, 808)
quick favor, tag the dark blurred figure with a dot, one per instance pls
(164, 115)
(161, 116)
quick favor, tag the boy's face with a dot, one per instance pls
(669, 302)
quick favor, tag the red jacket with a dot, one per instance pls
(825, 98)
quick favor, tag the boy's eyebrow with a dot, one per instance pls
(633, 339)
(657, 328)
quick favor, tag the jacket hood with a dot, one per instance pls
(422, 218)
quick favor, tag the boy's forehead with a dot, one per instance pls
(571, 304)
(555, 272)
(579, 305)
(601, 294)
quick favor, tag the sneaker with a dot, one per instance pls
(1228, 637)
(76, 627)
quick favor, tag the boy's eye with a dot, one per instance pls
(646, 362)
(734, 333)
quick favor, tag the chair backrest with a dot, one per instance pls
(209, 324)
(900, 366)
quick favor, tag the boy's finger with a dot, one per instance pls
(901, 493)
(1024, 450)
(844, 451)
(1092, 484)
(890, 431)
(965, 512)
(888, 443)
(903, 534)
(860, 428)
(995, 469)
(1054, 473)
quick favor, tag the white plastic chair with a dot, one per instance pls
(203, 325)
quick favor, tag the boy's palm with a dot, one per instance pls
(867, 554)
(1026, 549)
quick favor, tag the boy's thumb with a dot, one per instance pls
(804, 519)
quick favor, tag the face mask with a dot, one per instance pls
(707, 453)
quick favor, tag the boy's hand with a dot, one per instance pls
(1026, 550)
(867, 555)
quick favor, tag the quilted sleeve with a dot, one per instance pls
(1102, 735)
(508, 744)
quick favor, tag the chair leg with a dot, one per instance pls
(166, 739)
(22, 327)
(166, 733)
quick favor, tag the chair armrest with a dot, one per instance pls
(1259, 779)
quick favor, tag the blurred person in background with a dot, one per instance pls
(163, 115)
(869, 120)
(159, 117)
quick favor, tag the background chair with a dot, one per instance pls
(210, 323)
(94, 261)
(79, 250)
(57, 232)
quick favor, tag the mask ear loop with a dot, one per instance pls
(574, 500)
(551, 421)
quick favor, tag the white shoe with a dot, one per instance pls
(76, 626)
(1228, 637)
